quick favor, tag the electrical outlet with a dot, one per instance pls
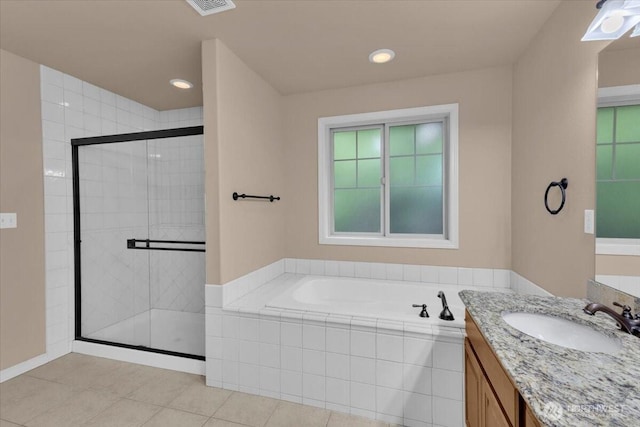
(589, 221)
(8, 220)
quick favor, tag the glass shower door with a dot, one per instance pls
(140, 213)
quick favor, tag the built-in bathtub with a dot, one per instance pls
(329, 342)
(380, 299)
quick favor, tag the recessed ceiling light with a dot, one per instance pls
(181, 84)
(381, 56)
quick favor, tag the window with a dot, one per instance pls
(618, 172)
(389, 178)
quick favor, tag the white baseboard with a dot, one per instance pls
(147, 358)
(21, 368)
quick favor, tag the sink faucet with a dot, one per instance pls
(625, 320)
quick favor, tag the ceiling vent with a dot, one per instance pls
(209, 7)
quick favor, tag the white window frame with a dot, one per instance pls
(614, 97)
(450, 185)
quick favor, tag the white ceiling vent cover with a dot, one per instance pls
(208, 7)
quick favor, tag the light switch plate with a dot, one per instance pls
(589, 221)
(8, 220)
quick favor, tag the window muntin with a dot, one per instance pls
(419, 158)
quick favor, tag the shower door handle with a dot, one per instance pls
(133, 244)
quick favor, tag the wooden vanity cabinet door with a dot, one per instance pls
(492, 415)
(473, 387)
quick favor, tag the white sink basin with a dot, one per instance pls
(562, 332)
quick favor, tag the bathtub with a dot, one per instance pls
(381, 299)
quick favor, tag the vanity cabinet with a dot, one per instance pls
(491, 398)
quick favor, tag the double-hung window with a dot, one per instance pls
(389, 178)
(618, 171)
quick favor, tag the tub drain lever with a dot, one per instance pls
(445, 314)
(423, 313)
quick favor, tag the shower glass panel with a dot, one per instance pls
(140, 237)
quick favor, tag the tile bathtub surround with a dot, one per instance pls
(590, 388)
(476, 277)
(72, 108)
(92, 391)
(401, 373)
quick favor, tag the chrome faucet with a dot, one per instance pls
(625, 320)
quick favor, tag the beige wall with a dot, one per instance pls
(22, 280)
(250, 159)
(618, 265)
(554, 100)
(619, 67)
(485, 173)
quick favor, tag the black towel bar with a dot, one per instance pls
(237, 196)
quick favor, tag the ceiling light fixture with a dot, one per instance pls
(614, 19)
(381, 56)
(181, 84)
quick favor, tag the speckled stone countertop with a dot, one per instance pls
(563, 387)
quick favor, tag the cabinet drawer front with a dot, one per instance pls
(500, 382)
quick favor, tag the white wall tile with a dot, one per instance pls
(362, 270)
(363, 344)
(270, 379)
(313, 362)
(291, 334)
(482, 277)
(249, 352)
(418, 351)
(291, 358)
(269, 332)
(332, 268)
(389, 374)
(417, 408)
(389, 401)
(363, 396)
(416, 379)
(411, 273)
(337, 340)
(363, 370)
(447, 355)
(313, 337)
(248, 376)
(390, 347)
(394, 272)
(270, 355)
(313, 387)
(337, 366)
(449, 383)
(465, 276)
(447, 412)
(337, 391)
(346, 269)
(448, 275)
(291, 383)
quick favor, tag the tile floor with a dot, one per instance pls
(79, 390)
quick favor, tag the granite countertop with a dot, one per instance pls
(563, 387)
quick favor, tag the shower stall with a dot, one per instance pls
(140, 240)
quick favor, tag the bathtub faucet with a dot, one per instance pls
(423, 313)
(445, 314)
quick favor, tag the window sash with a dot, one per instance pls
(385, 185)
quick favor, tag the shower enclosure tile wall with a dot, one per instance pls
(72, 108)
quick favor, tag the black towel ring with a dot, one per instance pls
(563, 184)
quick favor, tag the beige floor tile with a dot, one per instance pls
(4, 423)
(24, 398)
(201, 399)
(247, 409)
(343, 420)
(165, 387)
(126, 379)
(125, 413)
(214, 422)
(289, 414)
(60, 366)
(90, 372)
(173, 418)
(76, 410)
